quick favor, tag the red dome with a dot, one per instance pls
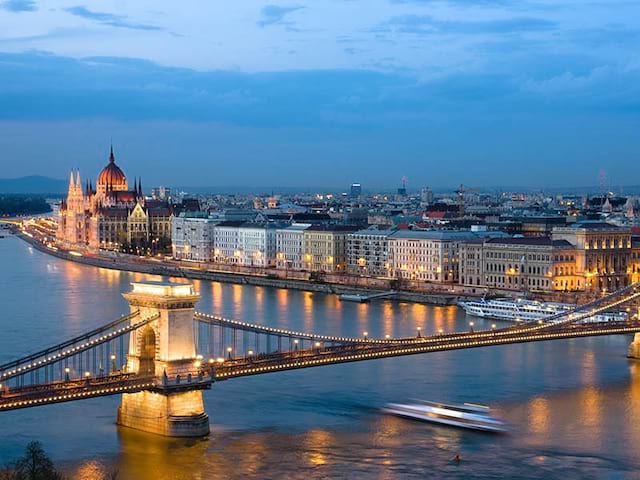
(111, 175)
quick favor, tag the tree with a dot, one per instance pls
(35, 465)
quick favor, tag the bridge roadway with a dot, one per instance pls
(223, 369)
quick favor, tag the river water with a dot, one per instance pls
(573, 405)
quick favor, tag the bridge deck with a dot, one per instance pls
(56, 392)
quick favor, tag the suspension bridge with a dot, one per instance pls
(163, 354)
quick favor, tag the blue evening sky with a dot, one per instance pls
(325, 92)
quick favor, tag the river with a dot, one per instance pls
(573, 405)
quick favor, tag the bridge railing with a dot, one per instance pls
(97, 352)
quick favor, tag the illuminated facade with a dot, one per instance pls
(520, 264)
(603, 253)
(368, 252)
(192, 236)
(111, 215)
(290, 246)
(634, 267)
(430, 256)
(244, 243)
(325, 248)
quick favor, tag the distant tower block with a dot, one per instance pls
(164, 345)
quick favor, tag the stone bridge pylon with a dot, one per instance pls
(164, 349)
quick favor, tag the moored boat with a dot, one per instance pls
(523, 310)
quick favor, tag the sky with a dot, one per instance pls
(535, 93)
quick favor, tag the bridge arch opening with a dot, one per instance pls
(147, 351)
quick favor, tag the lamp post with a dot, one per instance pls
(229, 350)
(113, 364)
(471, 327)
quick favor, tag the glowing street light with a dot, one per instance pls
(229, 350)
(419, 332)
(66, 373)
(365, 335)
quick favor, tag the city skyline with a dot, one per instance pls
(443, 92)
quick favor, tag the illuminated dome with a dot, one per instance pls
(111, 176)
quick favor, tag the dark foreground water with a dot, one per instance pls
(574, 405)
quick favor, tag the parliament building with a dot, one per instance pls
(113, 216)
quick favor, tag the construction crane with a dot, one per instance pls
(461, 192)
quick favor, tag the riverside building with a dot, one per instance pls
(603, 253)
(112, 215)
(368, 252)
(192, 235)
(430, 255)
(290, 246)
(519, 264)
(325, 247)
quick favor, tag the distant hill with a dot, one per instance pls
(33, 184)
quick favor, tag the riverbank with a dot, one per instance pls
(135, 264)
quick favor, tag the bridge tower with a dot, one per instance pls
(164, 348)
(634, 347)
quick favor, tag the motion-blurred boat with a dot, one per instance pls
(467, 415)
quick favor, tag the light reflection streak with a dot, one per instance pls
(539, 412)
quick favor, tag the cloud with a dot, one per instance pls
(275, 15)
(463, 3)
(133, 89)
(19, 5)
(110, 19)
(425, 25)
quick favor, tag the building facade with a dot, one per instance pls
(111, 215)
(325, 248)
(368, 253)
(430, 256)
(290, 246)
(603, 253)
(192, 236)
(523, 264)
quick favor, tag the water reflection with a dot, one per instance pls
(539, 415)
(574, 405)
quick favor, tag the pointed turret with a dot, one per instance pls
(112, 157)
(78, 181)
(72, 182)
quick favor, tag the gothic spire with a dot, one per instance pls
(112, 157)
(72, 182)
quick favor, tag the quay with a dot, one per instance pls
(155, 267)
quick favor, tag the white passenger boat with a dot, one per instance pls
(523, 310)
(475, 417)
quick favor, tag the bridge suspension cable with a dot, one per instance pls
(90, 344)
